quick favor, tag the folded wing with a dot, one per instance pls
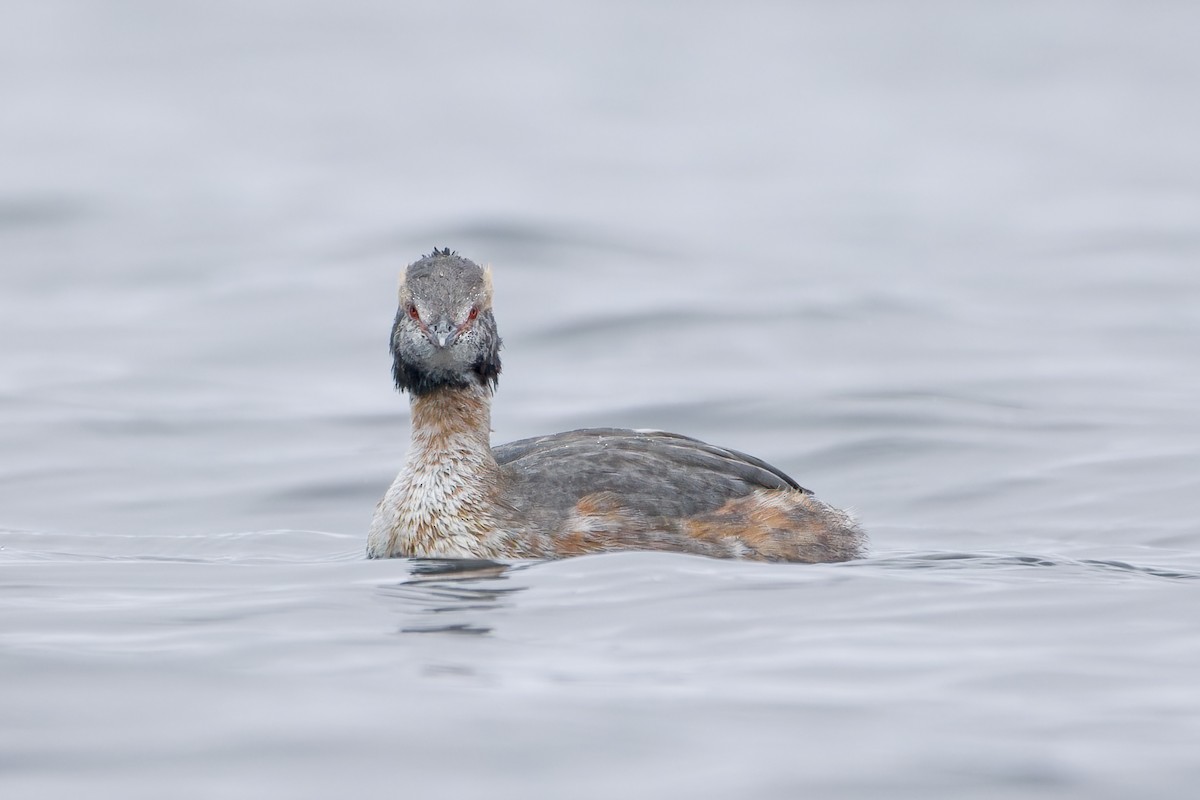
(655, 473)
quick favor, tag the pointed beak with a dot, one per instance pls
(442, 333)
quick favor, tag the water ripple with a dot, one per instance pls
(1009, 561)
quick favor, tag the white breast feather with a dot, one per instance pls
(438, 506)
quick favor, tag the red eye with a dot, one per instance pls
(474, 313)
(412, 312)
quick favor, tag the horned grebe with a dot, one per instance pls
(585, 491)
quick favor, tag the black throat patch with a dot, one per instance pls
(419, 381)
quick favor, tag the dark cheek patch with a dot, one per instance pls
(417, 380)
(487, 368)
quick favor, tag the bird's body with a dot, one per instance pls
(570, 493)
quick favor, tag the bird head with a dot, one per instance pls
(445, 333)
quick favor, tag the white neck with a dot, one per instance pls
(440, 503)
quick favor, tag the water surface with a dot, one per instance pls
(938, 262)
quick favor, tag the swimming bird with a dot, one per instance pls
(566, 494)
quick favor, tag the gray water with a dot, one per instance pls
(939, 261)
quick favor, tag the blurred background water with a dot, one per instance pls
(937, 260)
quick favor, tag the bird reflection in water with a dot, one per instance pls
(451, 586)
